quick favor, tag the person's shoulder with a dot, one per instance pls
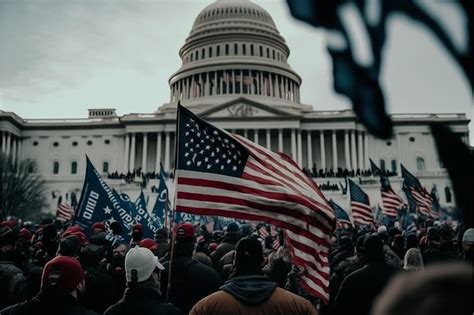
(303, 305)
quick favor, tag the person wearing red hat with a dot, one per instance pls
(97, 228)
(150, 244)
(137, 234)
(190, 280)
(62, 283)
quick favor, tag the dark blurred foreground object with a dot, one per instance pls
(440, 289)
(356, 36)
(459, 162)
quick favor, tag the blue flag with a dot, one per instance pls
(341, 214)
(162, 200)
(100, 203)
(141, 215)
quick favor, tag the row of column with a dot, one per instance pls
(236, 81)
(355, 152)
(11, 145)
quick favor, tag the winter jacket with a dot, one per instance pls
(49, 302)
(100, 289)
(141, 301)
(228, 244)
(360, 288)
(252, 294)
(12, 284)
(190, 282)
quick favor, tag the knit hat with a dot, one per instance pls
(248, 253)
(149, 243)
(140, 263)
(468, 237)
(62, 272)
(233, 229)
(25, 234)
(161, 233)
(137, 228)
(184, 230)
(382, 229)
(97, 228)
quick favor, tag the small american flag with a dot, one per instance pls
(390, 200)
(423, 199)
(219, 173)
(360, 204)
(64, 212)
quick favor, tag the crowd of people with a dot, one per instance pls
(342, 173)
(55, 268)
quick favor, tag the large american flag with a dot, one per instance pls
(64, 212)
(390, 200)
(219, 173)
(360, 205)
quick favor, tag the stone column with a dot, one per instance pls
(255, 136)
(360, 151)
(4, 141)
(309, 140)
(322, 148)
(334, 151)
(366, 151)
(158, 152)
(347, 149)
(270, 82)
(132, 153)
(241, 81)
(9, 143)
(127, 153)
(144, 152)
(353, 150)
(293, 144)
(14, 140)
(269, 139)
(167, 151)
(280, 140)
(300, 149)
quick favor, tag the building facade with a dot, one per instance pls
(235, 74)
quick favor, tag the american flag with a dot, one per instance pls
(64, 212)
(219, 173)
(423, 199)
(390, 200)
(360, 204)
(341, 215)
(263, 233)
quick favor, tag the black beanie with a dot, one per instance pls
(373, 248)
(248, 254)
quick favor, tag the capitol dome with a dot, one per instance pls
(234, 49)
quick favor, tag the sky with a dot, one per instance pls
(58, 58)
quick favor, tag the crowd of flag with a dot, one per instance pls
(222, 176)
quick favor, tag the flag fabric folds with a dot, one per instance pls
(162, 200)
(100, 203)
(360, 205)
(219, 173)
(341, 215)
(141, 215)
(390, 200)
(376, 171)
(423, 199)
(64, 212)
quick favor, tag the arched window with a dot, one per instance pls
(226, 49)
(203, 53)
(261, 51)
(244, 49)
(236, 49)
(251, 49)
(394, 166)
(105, 167)
(73, 167)
(56, 168)
(382, 164)
(268, 52)
(420, 164)
(218, 52)
(210, 52)
(449, 197)
(196, 56)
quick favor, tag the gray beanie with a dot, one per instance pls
(468, 236)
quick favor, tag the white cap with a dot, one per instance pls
(468, 237)
(382, 229)
(140, 263)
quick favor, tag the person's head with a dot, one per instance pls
(411, 241)
(413, 260)
(439, 289)
(248, 256)
(65, 274)
(373, 249)
(116, 228)
(98, 227)
(69, 246)
(7, 242)
(141, 265)
(345, 243)
(150, 244)
(233, 230)
(434, 237)
(161, 235)
(137, 233)
(185, 239)
(468, 240)
(120, 251)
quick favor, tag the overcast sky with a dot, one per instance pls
(58, 58)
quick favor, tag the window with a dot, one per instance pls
(56, 168)
(382, 164)
(268, 52)
(107, 141)
(244, 50)
(218, 52)
(191, 57)
(105, 167)
(210, 52)
(449, 196)
(273, 54)
(236, 49)
(412, 139)
(420, 163)
(203, 53)
(35, 143)
(73, 167)
(74, 143)
(389, 143)
(55, 144)
(261, 51)
(226, 49)
(394, 166)
(89, 142)
(251, 50)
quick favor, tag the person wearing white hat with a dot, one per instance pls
(142, 295)
(468, 245)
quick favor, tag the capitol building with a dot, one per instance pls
(234, 74)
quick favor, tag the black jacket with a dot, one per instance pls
(49, 302)
(12, 284)
(190, 282)
(139, 301)
(360, 288)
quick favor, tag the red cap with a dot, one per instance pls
(25, 233)
(149, 243)
(98, 226)
(10, 224)
(62, 272)
(72, 229)
(137, 227)
(78, 233)
(184, 230)
(213, 246)
(201, 239)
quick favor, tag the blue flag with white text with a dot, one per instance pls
(162, 200)
(100, 203)
(142, 216)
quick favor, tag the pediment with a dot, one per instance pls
(243, 108)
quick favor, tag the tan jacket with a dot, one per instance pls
(281, 302)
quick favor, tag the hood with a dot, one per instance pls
(250, 290)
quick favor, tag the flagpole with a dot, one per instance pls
(170, 264)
